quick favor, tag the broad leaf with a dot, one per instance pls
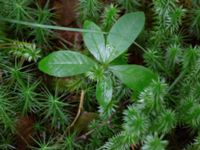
(123, 33)
(134, 76)
(104, 91)
(95, 41)
(65, 63)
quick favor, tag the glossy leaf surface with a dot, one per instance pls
(104, 91)
(123, 33)
(134, 76)
(95, 41)
(65, 63)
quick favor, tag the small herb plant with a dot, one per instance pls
(105, 51)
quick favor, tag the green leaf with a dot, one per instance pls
(65, 63)
(104, 91)
(134, 76)
(123, 33)
(95, 41)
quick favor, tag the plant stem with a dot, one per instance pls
(80, 108)
(176, 81)
(138, 45)
(37, 25)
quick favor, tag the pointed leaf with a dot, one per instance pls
(65, 63)
(123, 33)
(95, 41)
(104, 91)
(134, 76)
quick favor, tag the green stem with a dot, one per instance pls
(177, 80)
(37, 25)
(138, 45)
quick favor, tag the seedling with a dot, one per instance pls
(105, 50)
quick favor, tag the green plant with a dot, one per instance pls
(16, 9)
(6, 110)
(28, 96)
(121, 36)
(55, 109)
(192, 109)
(42, 16)
(195, 19)
(154, 143)
(100, 131)
(146, 117)
(129, 5)
(14, 74)
(24, 50)
(6, 141)
(88, 9)
(70, 142)
(167, 20)
(45, 143)
(109, 17)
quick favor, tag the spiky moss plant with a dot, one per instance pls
(167, 20)
(148, 116)
(101, 132)
(42, 15)
(120, 141)
(178, 64)
(6, 110)
(89, 9)
(70, 142)
(154, 59)
(24, 50)
(6, 141)
(191, 108)
(17, 53)
(153, 97)
(28, 96)
(17, 9)
(166, 61)
(15, 74)
(154, 143)
(173, 58)
(195, 22)
(190, 72)
(167, 13)
(129, 5)
(190, 58)
(195, 145)
(110, 15)
(45, 143)
(55, 109)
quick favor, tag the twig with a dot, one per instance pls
(80, 108)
